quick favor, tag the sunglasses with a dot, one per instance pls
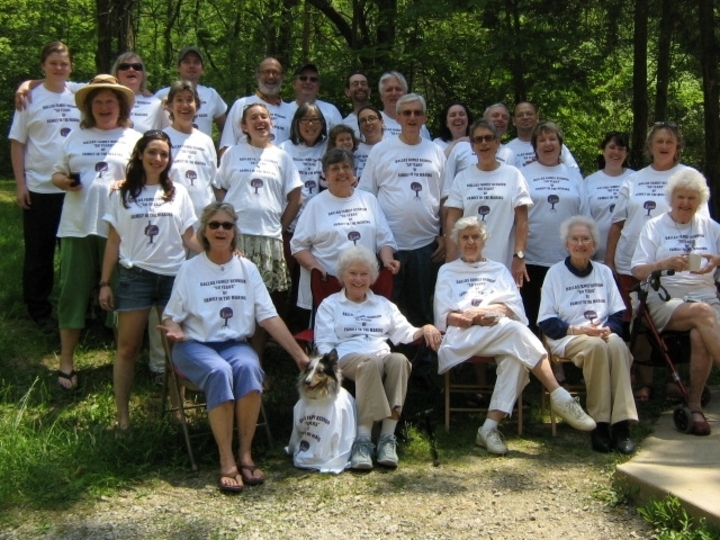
(227, 225)
(306, 78)
(483, 139)
(137, 66)
(409, 113)
(156, 133)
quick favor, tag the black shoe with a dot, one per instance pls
(600, 438)
(621, 440)
(47, 325)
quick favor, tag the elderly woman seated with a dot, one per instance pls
(358, 324)
(688, 242)
(581, 313)
(479, 306)
(216, 300)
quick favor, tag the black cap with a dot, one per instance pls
(188, 50)
(306, 67)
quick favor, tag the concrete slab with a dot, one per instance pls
(686, 466)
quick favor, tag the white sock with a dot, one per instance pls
(489, 425)
(364, 431)
(388, 427)
(560, 395)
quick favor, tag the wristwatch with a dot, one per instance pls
(520, 255)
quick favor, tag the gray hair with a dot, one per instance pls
(495, 106)
(469, 222)
(409, 98)
(385, 77)
(585, 221)
(337, 155)
(483, 123)
(358, 254)
(208, 212)
(690, 179)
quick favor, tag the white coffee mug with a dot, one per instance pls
(694, 261)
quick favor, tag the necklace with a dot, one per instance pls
(684, 238)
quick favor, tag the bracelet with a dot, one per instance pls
(104, 284)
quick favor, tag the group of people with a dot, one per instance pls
(493, 244)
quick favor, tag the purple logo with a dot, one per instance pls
(304, 446)
(590, 315)
(191, 176)
(152, 231)
(65, 131)
(649, 206)
(310, 185)
(612, 207)
(553, 200)
(353, 236)
(417, 188)
(475, 302)
(257, 184)
(226, 313)
(483, 211)
(101, 167)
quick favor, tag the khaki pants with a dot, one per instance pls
(606, 369)
(380, 383)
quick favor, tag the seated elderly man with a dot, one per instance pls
(581, 314)
(478, 305)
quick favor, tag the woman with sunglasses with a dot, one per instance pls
(262, 183)
(150, 221)
(218, 301)
(148, 112)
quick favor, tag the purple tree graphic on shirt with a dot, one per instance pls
(64, 132)
(649, 206)
(612, 207)
(353, 236)
(475, 302)
(417, 188)
(256, 183)
(310, 185)
(483, 211)
(226, 313)
(553, 200)
(191, 176)
(151, 231)
(101, 167)
(590, 315)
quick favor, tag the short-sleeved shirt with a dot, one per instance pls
(601, 193)
(211, 106)
(281, 116)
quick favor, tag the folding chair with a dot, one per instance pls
(176, 385)
(575, 390)
(453, 387)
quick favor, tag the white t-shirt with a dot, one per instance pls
(406, 179)
(557, 194)
(393, 128)
(211, 106)
(148, 113)
(258, 182)
(360, 156)
(601, 193)
(331, 224)
(578, 301)
(441, 143)
(308, 161)
(661, 238)
(281, 116)
(462, 157)
(151, 228)
(524, 154)
(323, 433)
(641, 197)
(219, 302)
(194, 165)
(41, 127)
(351, 120)
(330, 113)
(493, 197)
(101, 157)
(362, 328)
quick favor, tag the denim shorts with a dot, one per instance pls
(141, 289)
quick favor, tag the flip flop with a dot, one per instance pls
(228, 488)
(644, 393)
(249, 478)
(69, 377)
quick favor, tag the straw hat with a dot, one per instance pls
(104, 81)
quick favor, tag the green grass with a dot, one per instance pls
(672, 522)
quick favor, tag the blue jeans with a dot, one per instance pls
(141, 289)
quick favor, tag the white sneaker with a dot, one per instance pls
(492, 440)
(573, 414)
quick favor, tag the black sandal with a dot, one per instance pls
(68, 377)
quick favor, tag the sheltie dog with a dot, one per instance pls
(324, 418)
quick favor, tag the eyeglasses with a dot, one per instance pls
(483, 139)
(157, 133)
(666, 124)
(227, 225)
(580, 240)
(368, 119)
(412, 112)
(137, 66)
(306, 78)
(270, 72)
(308, 121)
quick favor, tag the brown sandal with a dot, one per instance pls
(229, 488)
(248, 475)
(700, 427)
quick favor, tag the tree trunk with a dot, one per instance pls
(640, 92)
(667, 22)
(512, 28)
(116, 31)
(711, 95)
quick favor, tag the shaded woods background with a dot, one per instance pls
(590, 65)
